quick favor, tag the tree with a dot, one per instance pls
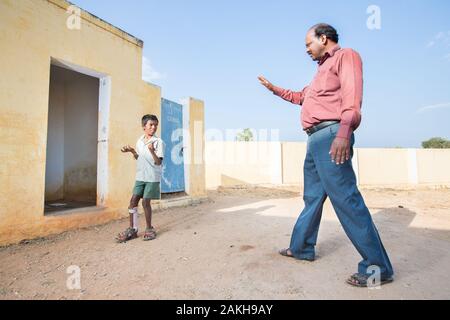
(436, 143)
(245, 135)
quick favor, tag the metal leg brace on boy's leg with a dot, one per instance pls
(134, 212)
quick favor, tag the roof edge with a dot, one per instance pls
(89, 17)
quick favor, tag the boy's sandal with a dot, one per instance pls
(360, 280)
(149, 234)
(128, 234)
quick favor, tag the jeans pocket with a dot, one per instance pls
(334, 128)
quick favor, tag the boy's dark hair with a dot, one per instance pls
(149, 117)
(327, 30)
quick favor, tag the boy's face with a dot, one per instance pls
(150, 127)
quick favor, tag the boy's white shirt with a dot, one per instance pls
(146, 169)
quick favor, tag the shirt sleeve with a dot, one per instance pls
(160, 149)
(350, 76)
(137, 147)
(291, 96)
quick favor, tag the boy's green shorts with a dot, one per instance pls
(147, 190)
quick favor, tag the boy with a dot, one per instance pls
(149, 154)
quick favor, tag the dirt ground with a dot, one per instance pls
(226, 248)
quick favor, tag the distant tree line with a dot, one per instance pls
(436, 143)
(245, 135)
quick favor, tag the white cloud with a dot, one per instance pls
(433, 107)
(430, 44)
(149, 74)
(442, 42)
(440, 37)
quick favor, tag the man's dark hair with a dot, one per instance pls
(149, 117)
(327, 30)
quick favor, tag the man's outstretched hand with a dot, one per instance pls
(340, 150)
(266, 83)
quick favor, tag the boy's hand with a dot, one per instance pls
(127, 148)
(266, 83)
(151, 147)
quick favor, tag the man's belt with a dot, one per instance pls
(319, 126)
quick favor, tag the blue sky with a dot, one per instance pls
(214, 50)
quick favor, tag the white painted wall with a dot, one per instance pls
(103, 135)
(234, 163)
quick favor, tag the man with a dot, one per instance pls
(330, 114)
(149, 154)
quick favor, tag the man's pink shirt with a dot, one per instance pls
(334, 94)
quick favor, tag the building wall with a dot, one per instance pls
(433, 166)
(293, 155)
(383, 166)
(233, 163)
(32, 33)
(194, 147)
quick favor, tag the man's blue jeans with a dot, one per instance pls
(323, 178)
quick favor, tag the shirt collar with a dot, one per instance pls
(329, 53)
(153, 137)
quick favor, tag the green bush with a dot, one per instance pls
(245, 135)
(436, 143)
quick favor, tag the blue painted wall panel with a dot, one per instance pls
(172, 179)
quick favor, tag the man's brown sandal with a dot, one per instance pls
(360, 280)
(288, 253)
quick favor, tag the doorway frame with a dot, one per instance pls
(104, 101)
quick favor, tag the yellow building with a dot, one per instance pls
(71, 95)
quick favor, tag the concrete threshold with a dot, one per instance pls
(88, 209)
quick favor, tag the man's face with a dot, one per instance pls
(150, 127)
(315, 47)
